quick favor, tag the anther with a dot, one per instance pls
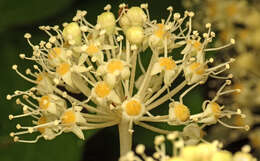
(22, 56)
(8, 97)
(107, 7)
(232, 41)
(228, 82)
(170, 8)
(140, 149)
(211, 60)
(14, 67)
(16, 138)
(28, 71)
(18, 126)
(144, 5)
(17, 101)
(230, 76)
(30, 130)
(12, 134)
(176, 16)
(11, 117)
(27, 36)
(208, 25)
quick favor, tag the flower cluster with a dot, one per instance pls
(239, 19)
(200, 152)
(100, 62)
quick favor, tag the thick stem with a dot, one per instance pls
(125, 137)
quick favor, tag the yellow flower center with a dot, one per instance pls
(42, 120)
(69, 117)
(63, 69)
(160, 31)
(91, 50)
(55, 52)
(133, 108)
(44, 102)
(39, 77)
(102, 89)
(114, 65)
(215, 109)
(197, 68)
(167, 63)
(197, 45)
(181, 112)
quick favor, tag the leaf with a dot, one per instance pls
(25, 12)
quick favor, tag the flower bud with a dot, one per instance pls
(72, 34)
(135, 34)
(107, 21)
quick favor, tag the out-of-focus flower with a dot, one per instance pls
(200, 152)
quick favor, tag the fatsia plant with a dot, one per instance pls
(100, 62)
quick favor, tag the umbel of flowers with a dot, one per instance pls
(201, 152)
(100, 62)
(239, 19)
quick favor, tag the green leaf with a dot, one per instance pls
(25, 12)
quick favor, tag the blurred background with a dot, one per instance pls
(19, 17)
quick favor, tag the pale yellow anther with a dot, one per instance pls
(22, 56)
(44, 102)
(140, 149)
(228, 82)
(159, 139)
(16, 138)
(12, 134)
(102, 89)
(211, 60)
(8, 97)
(18, 126)
(92, 49)
(107, 7)
(27, 36)
(54, 53)
(176, 16)
(14, 67)
(11, 117)
(208, 25)
(48, 45)
(181, 112)
(30, 130)
(167, 63)
(232, 41)
(17, 101)
(170, 8)
(52, 39)
(115, 65)
(62, 69)
(133, 108)
(69, 117)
